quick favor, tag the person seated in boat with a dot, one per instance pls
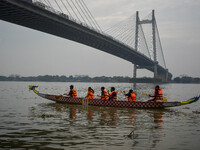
(104, 94)
(90, 94)
(130, 95)
(113, 94)
(158, 94)
(72, 92)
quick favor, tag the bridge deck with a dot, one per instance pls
(29, 15)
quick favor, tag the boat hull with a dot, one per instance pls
(108, 103)
(111, 103)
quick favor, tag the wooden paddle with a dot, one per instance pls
(164, 99)
(58, 96)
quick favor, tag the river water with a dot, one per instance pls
(31, 122)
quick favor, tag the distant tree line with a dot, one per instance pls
(56, 78)
(186, 79)
(85, 78)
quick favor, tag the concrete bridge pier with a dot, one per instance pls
(155, 71)
(164, 76)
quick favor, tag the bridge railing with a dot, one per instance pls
(49, 8)
(52, 10)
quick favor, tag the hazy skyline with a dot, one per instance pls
(28, 52)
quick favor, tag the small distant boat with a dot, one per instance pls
(110, 103)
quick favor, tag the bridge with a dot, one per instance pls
(43, 17)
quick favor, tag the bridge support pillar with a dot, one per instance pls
(167, 76)
(134, 72)
(163, 76)
(155, 71)
(136, 44)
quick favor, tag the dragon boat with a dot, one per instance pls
(111, 103)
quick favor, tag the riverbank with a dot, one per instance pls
(85, 78)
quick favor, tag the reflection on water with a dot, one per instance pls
(30, 122)
(105, 124)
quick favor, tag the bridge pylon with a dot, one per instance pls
(158, 76)
(136, 43)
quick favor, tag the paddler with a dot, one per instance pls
(72, 92)
(130, 95)
(104, 94)
(158, 94)
(113, 94)
(90, 94)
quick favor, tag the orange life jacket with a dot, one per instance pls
(90, 94)
(132, 97)
(105, 96)
(159, 95)
(74, 94)
(115, 97)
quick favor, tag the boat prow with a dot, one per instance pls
(111, 103)
(191, 100)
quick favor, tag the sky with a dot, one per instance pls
(28, 52)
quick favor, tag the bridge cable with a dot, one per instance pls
(88, 16)
(58, 6)
(113, 28)
(50, 4)
(130, 39)
(92, 21)
(42, 2)
(148, 35)
(78, 11)
(117, 29)
(144, 40)
(125, 34)
(91, 14)
(160, 44)
(143, 48)
(117, 26)
(123, 31)
(84, 14)
(73, 10)
(66, 8)
(46, 2)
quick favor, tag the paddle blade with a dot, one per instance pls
(58, 96)
(145, 94)
(164, 100)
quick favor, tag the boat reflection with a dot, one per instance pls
(72, 113)
(145, 125)
(158, 119)
(90, 114)
(109, 115)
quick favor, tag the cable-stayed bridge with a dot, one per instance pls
(72, 20)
